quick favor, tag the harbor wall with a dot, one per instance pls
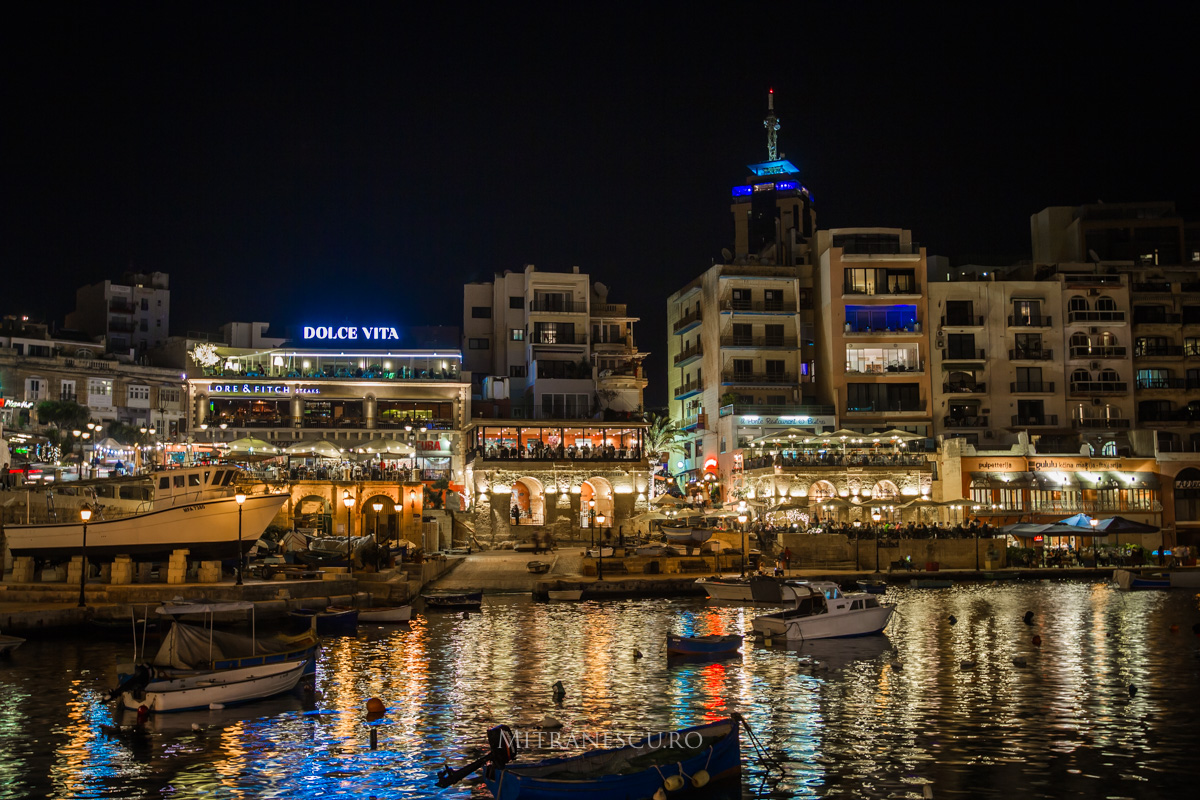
(831, 550)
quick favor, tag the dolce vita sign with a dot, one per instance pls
(325, 333)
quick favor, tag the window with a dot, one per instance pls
(554, 333)
(66, 391)
(1027, 312)
(774, 336)
(143, 325)
(1077, 303)
(481, 312)
(1152, 346)
(960, 345)
(773, 300)
(883, 397)
(516, 301)
(100, 392)
(743, 366)
(138, 396)
(743, 335)
(517, 334)
(741, 300)
(566, 406)
(722, 444)
(34, 388)
(1029, 379)
(959, 312)
(775, 368)
(168, 396)
(516, 371)
(478, 344)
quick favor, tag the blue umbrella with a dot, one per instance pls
(1078, 521)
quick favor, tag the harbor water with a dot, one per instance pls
(929, 709)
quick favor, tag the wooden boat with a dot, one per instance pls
(871, 586)
(216, 687)
(192, 508)
(1132, 581)
(688, 536)
(751, 589)
(438, 601)
(538, 567)
(1184, 578)
(930, 583)
(598, 552)
(332, 621)
(823, 612)
(702, 645)
(385, 614)
(565, 594)
(691, 757)
(10, 643)
(656, 550)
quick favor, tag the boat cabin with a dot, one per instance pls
(192, 484)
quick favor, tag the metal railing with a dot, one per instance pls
(880, 291)
(1156, 319)
(961, 321)
(1033, 321)
(689, 388)
(965, 422)
(733, 376)
(694, 421)
(1098, 423)
(1036, 387)
(1030, 355)
(960, 354)
(558, 306)
(1093, 351)
(688, 355)
(1152, 286)
(1042, 421)
(759, 306)
(1099, 387)
(556, 338)
(965, 388)
(766, 409)
(759, 341)
(687, 321)
(1095, 316)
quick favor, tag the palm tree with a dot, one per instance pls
(661, 439)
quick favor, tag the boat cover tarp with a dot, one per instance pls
(187, 646)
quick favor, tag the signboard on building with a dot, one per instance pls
(260, 389)
(6, 403)
(325, 333)
(798, 419)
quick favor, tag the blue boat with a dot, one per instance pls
(681, 763)
(333, 621)
(1133, 581)
(702, 645)
(451, 601)
(872, 586)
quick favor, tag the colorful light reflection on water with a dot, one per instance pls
(872, 717)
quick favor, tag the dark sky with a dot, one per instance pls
(357, 162)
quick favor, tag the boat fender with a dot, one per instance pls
(1133, 690)
(966, 665)
(1037, 640)
(196, 727)
(898, 666)
(549, 723)
(559, 691)
(375, 706)
(953, 619)
(637, 653)
(767, 641)
(1028, 617)
(374, 738)
(215, 706)
(142, 713)
(673, 783)
(659, 794)
(1020, 662)
(700, 779)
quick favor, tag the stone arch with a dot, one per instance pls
(600, 490)
(313, 511)
(1081, 376)
(529, 498)
(1187, 495)
(1077, 303)
(1108, 339)
(1080, 339)
(386, 523)
(885, 490)
(821, 490)
(1108, 375)
(1105, 303)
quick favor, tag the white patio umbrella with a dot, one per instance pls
(253, 445)
(385, 447)
(322, 448)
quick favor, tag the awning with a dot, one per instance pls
(1001, 480)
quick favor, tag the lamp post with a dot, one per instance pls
(977, 541)
(742, 518)
(77, 433)
(600, 565)
(399, 509)
(875, 518)
(240, 497)
(1094, 523)
(142, 446)
(348, 502)
(592, 525)
(85, 514)
(377, 507)
(93, 431)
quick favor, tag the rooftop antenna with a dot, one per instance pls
(771, 123)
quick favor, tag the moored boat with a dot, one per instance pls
(221, 687)
(702, 645)
(598, 552)
(1184, 578)
(10, 643)
(871, 586)
(689, 536)
(385, 614)
(453, 600)
(565, 594)
(332, 621)
(823, 612)
(663, 762)
(1132, 581)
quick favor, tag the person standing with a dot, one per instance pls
(787, 560)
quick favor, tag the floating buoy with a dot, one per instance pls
(700, 779)
(637, 653)
(1037, 640)
(953, 619)
(375, 706)
(1020, 662)
(1028, 617)
(660, 794)
(966, 665)
(767, 641)
(549, 723)
(1174, 629)
(466, 615)
(928, 791)
(673, 783)
(898, 667)
(195, 726)
(1132, 690)
(559, 691)
(215, 706)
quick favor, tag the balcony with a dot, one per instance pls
(122, 326)
(1092, 351)
(757, 307)
(909, 290)
(617, 345)
(555, 338)
(866, 330)
(608, 310)
(1030, 355)
(787, 412)
(688, 356)
(1153, 287)
(688, 322)
(1032, 321)
(1035, 387)
(1156, 319)
(964, 388)
(565, 305)
(959, 354)
(957, 321)
(757, 378)
(1096, 316)
(689, 389)
(1158, 351)
(965, 422)
(1191, 286)
(760, 342)
(1091, 280)
(888, 370)
(1042, 421)
(1167, 383)
(1099, 387)
(1099, 424)
(694, 422)
(120, 307)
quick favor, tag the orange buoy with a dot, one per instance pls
(1037, 640)
(375, 706)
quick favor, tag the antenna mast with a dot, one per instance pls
(771, 123)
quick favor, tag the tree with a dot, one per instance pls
(64, 416)
(662, 437)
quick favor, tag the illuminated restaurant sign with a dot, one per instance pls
(799, 419)
(324, 333)
(259, 388)
(6, 403)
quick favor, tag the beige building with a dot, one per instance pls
(873, 355)
(134, 314)
(549, 345)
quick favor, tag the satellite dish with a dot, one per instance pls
(725, 254)
(601, 290)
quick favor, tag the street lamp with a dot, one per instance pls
(742, 523)
(240, 497)
(399, 509)
(875, 518)
(377, 507)
(592, 526)
(348, 502)
(93, 427)
(142, 446)
(1094, 523)
(600, 566)
(85, 514)
(77, 433)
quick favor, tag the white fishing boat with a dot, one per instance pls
(193, 508)
(823, 612)
(1184, 578)
(565, 594)
(750, 589)
(216, 687)
(10, 643)
(687, 535)
(385, 614)
(598, 552)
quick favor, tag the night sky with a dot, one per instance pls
(355, 162)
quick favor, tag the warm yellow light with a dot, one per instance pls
(240, 497)
(377, 506)
(599, 519)
(85, 514)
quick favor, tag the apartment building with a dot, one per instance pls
(550, 345)
(870, 314)
(134, 314)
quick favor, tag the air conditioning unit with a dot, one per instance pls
(1093, 292)
(1095, 365)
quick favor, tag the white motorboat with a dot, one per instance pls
(565, 594)
(1184, 578)
(215, 687)
(10, 643)
(751, 589)
(385, 614)
(193, 508)
(688, 535)
(656, 549)
(605, 552)
(823, 612)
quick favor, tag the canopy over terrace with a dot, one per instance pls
(554, 440)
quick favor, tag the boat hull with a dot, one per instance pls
(223, 687)
(451, 602)
(568, 778)
(687, 536)
(10, 643)
(208, 528)
(702, 645)
(1132, 581)
(565, 594)
(325, 623)
(1185, 579)
(784, 625)
(385, 615)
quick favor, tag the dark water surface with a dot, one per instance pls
(875, 717)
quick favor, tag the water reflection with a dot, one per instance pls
(871, 717)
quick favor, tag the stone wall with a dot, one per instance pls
(816, 551)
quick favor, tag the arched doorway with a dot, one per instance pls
(384, 524)
(601, 491)
(528, 504)
(312, 513)
(818, 493)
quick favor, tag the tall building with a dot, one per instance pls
(133, 315)
(549, 345)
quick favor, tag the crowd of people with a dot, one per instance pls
(829, 458)
(537, 450)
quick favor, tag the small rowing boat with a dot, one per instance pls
(10, 643)
(385, 614)
(565, 594)
(872, 586)
(702, 645)
(332, 621)
(1133, 581)
(450, 601)
(221, 687)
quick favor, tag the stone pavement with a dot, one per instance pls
(506, 570)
